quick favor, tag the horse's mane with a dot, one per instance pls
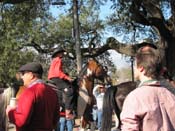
(4, 101)
(83, 71)
(113, 100)
(108, 106)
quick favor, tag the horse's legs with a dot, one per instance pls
(92, 126)
(116, 121)
(82, 128)
(82, 123)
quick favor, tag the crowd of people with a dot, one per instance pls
(148, 107)
(39, 106)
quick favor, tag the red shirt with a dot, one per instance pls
(62, 114)
(56, 69)
(37, 109)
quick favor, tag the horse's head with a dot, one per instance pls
(95, 69)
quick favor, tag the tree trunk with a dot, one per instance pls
(77, 35)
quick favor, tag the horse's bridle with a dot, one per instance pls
(96, 69)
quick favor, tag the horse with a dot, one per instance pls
(113, 100)
(85, 83)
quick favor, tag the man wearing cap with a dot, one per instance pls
(61, 79)
(37, 107)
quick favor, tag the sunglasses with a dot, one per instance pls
(24, 72)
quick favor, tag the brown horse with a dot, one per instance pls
(113, 100)
(86, 100)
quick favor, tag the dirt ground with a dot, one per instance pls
(76, 127)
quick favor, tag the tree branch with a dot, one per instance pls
(148, 13)
(13, 1)
(112, 43)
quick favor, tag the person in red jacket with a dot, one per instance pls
(56, 72)
(37, 107)
(62, 81)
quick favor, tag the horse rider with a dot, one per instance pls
(61, 80)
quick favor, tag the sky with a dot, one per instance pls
(117, 58)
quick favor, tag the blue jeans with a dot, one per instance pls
(99, 116)
(94, 113)
(65, 123)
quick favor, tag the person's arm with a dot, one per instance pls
(56, 115)
(21, 115)
(61, 73)
(95, 90)
(56, 70)
(129, 116)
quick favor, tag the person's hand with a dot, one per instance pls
(70, 80)
(9, 108)
(69, 114)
